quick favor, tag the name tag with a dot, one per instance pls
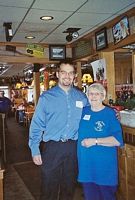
(79, 104)
(86, 117)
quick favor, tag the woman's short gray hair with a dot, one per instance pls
(99, 87)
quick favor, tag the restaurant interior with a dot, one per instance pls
(34, 37)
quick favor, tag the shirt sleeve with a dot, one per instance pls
(115, 127)
(37, 127)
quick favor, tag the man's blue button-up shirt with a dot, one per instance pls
(56, 117)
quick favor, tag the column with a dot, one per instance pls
(79, 74)
(36, 76)
(110, 70)
(133, 70)
(1, 183)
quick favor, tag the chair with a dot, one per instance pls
(28, 115)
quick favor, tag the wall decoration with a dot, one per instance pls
(101, 39)
(57, 52)
(82, 48)
(99, 71)
(121, 30)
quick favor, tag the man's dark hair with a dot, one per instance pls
(66, 61)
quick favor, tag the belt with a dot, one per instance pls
(61, 140)
(64, 140)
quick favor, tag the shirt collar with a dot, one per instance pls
(69, 91)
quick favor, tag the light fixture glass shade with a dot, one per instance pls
(75, 35)
(10, 32)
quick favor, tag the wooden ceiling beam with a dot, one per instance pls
(19, 44)
(24, 59)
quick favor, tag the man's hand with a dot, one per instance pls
(117, 114)
(37, 160)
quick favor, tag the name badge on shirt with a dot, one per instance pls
(86, 117)
(79, 104)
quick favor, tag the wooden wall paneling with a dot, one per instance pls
(1, 184)
(123, 66)
(110, 70)
(133, 70)
(126, 157)
(130, 150)
(122, 186)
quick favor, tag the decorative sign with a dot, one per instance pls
(82, 49)
(35, 50)
(99, 71)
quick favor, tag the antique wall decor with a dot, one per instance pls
(101, 39)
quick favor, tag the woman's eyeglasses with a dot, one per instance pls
(94, 94)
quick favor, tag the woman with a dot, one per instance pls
(99, 136)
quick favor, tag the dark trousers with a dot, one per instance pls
(93, 191)
(59, 170)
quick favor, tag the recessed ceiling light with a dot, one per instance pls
(46, 18)
(29, 37)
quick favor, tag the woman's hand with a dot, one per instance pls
(88, 142)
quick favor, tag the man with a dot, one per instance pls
(55, 122)
(5, 105)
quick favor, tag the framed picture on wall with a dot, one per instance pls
(121, 29)
(101, 39)
(57, 52)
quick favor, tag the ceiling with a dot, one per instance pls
(86, 15)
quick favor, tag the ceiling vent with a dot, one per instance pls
(10, 48)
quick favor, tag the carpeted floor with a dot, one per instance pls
(17, 149)
(14, 187)
(22, 177)
(30, 174)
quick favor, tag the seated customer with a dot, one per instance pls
(21, 110)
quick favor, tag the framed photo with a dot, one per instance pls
(57, 52)
(121, 30)
(101, 39)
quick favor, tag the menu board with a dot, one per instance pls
(82, 48)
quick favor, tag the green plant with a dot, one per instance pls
(128, 104)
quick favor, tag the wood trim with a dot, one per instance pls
(1, 184)
(128, 129)
(24, 59)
